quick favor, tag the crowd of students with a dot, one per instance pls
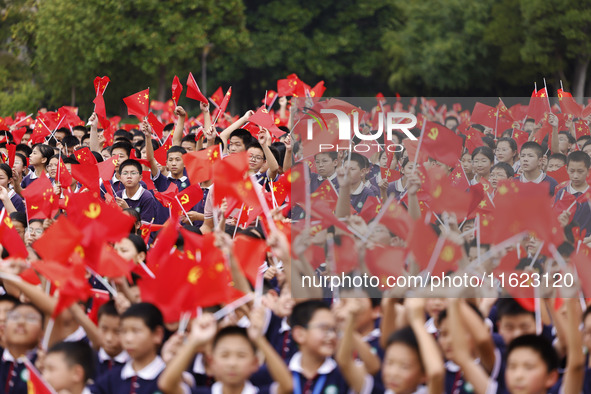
(358, 340)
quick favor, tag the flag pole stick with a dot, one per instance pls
(238, 221)
(233, 306)
(547, 96)
(414, 167)
(308, 202)
(536, 255)
(183, 208)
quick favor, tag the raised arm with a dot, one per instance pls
(94, 141)
(179, 127)
(481, 335)
(553, 121)
(288, 158)
(572, 382)
(146, 129)
(224, 135)
(265, 140)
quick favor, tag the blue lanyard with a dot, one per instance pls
(297, 386)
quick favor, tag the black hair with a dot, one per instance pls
(279, 148)
(489, 141)
(130, 162)
(9, 298)
(233, 331)
(81, 128)
(70, 141)
(126, 146)
(578, 157)
(138, 243)
(149, 313)
(25, 149)
(133, 213)
(20, 217)
(538, 344)
(486, 151)
(168, 127)
(510, 307)
(64, 130)
(359, 159)
(76, 353)
(510, 141)
(137, 133)
(122, 133)
(46, 152)
(70, 160)
(244, 135)
(303, 312)
(332, 154)
(7, 170)
(108, 309)
(189, 138)
(443, 314)
(84, 137)
(537, 148)
(176, 149)
(561, 157)
(505, 167)
(569, 136)
(407, 337)
(256, 145)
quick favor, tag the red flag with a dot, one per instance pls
(484, 115)
(581, 129)
(568, 105)
(200, 164)
(99, 298)
(422, 242)
(560, 175)
(138, 104)
(582, 264)
(473, 139)
(87, 175)
(11, 240)
(520, 137)
(370, 209)
(538, 105)
(167, 197)
(99, 107)
(189, 197)
(345, 254)
(85, 156)
(100, 85)
(224, 103)
(155, 124)
(442, 144)
(250, 254)
(64, 176)
(458, 178)
(318, 90)
(284, 87)
(106, 168)
(112, 265)
(39, 198)
(217, 97)
(264, 119)
(177, 89)
(385, 262)
(59, 241)
(193, 91)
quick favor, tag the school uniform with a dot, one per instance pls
(249, 388)
(125, 380)
(118, 186)
(28, 179)
(396, 188)
(104, 363)
(582, 213)
(373, 340)
(419, 390)
(328, 379)
(455, 383)
(200, 207)
(360, 195)
(316, 180)
(543, 177)
(162, 182)
(13, 373)
(16, 200)
(142, 201)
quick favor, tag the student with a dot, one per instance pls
(482, 160)
(24, 330)
(412, 361)
(507, 152)
(555, 162)
(353, 187)
(232, 359)
(578, 164)
(500, 172)
(531, 165)
(111, 353)
(142, 332)
(398, 187)
(121, 150)
(8, 197)
(39, 159)
(313, 368)
(134, 195)
(7, 303)
(466, 162)
(261, 161)
(326, 165)
(68, 366)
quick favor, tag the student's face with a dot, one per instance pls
(59, 135)
(137, 339)
(529, 160)
(233, 360)
(188, 145)
(444, 340)
(435, 305)
(52, 168)
(35, 158)
(407, 169)
(563, 144)
(126, 249)
(321, 334)
(20, 229)
(355, 173)
(26, 138)
(109, 328)
(105, 154)
(235, 145)
(59, 374)
(383, 160)
(481, 165)
(402, 371)
(577, 172)
(587, 150)
(580, 143)
(5, 307)
(285, 303)
(137, 138)
(143, 153)
(554, 164)
(529, 126)
(35, 231)
(325, 166)
(120, 153)
(18, 165)
(511, 327)
(467, 163)
(23, 327)
(130, 176)
(4, 179)
(451, 124)
(497, 175)
(256, 159)
(504, 152)
(174, 163)
(78, 134)
(527, 373)
(381, 235)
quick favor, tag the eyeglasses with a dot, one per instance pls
(256, 158)
(133, 173)
(29, 317)
(37, 231)
(326, 329)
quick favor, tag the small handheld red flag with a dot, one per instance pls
(193, 91)
(138, 104)
(177, 89)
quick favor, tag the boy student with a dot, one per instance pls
(531, 163)
(261, 161)
(24, 330)
(134, 195)
(7, 302)
(314, 370)
(326, 165)
(142, 332)
(577, 166)
(232, 358)
(68, 366)
(352, 184)
(555, 162)
(111, 353)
